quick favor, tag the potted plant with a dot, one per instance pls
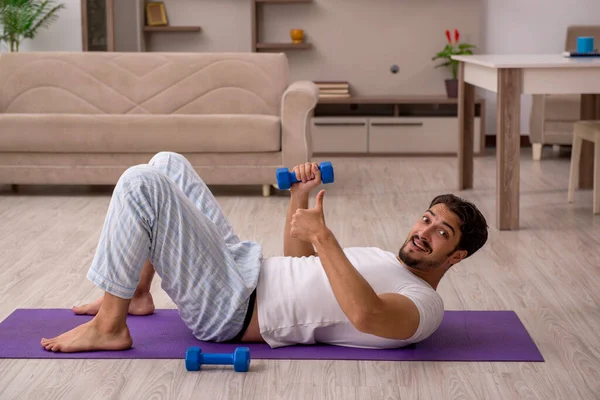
(21, 19)
(452, 48)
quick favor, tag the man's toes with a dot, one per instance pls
(79, 309)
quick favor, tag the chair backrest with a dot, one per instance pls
(142, 83)
(574, 31)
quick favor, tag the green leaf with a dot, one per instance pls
(22, 19)
(46, 19)
(447, 63)
(440, 55)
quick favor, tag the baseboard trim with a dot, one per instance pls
(490, 141)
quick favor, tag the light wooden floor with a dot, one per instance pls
(548, 272)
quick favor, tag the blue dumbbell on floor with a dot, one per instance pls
(240, 359)
(286, 178)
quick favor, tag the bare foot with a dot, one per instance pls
(141, 304)
(88, 337)
(89, 309)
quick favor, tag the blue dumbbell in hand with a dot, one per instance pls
(286, 178)
(240, 359)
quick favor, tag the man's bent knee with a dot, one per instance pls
(173, 164)
(141, 174)
(165, 155)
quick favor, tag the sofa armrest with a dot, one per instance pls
(297, 106)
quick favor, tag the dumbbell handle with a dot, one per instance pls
(216, 359)
(293, 178)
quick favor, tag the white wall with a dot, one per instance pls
(126, 30)
(531, 26)
(358, 41)
(354, 40)
(64, 34)
(225, 26)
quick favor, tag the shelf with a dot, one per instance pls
(257, 45)
(283, 46)
(284, 1)
(405, 106)
(392, 100)
(172, 29)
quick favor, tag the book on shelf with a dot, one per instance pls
(333, 89)
(333, 84)
(334, 95)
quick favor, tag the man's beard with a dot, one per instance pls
(416, 264)
(422, 265)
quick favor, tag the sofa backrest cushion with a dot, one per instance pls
(142, 83)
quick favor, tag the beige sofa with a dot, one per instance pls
(84, 118)
(552, 116)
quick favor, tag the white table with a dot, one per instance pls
(510, 76)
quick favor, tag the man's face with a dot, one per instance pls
(432, 241)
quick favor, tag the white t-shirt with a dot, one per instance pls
(296, 304)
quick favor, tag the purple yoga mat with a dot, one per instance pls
(463, 336)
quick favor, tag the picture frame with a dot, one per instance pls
(156, 14)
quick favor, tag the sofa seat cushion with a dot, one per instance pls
(113, 133)
(106, 168)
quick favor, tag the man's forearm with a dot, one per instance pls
(355, 296)
(291, 246)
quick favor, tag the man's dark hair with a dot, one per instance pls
(473, 226)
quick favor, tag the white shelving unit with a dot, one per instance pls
(403, 125)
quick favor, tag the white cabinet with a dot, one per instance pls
(394, 135)
(394, 126)
(417, 135)
(340, 135)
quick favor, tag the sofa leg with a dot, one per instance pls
(537, 151)
(266, 190)
(14, 188)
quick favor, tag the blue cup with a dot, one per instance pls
(585, 44)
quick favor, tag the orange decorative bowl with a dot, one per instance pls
(297, 35)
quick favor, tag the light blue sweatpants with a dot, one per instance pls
(164, 212)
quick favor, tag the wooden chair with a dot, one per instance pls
(585, 130)
(552, 116)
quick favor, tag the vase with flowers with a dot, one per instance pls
(452, 48)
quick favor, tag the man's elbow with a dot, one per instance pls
(367, 318)
(378, 325)
(359, 320)
(364, 321)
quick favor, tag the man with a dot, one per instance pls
(163, 218)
